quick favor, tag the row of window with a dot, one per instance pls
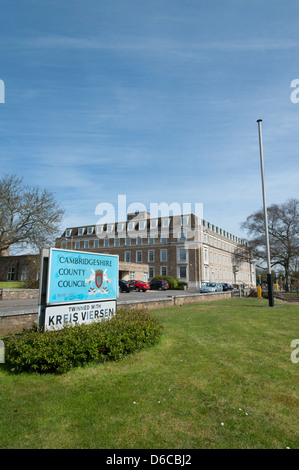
(224, 275)
(130, 226)
(182, 272)
(96, 243)
(150, 256)
(222, 232)
(10, 276)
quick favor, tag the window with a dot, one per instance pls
(128, 257)
(100, 229)
(110, 228)
(154, 224)
(63, 245)
(206, 255)
(120, 227)
(128, 241)
(163, 237)
(132, 275)
(138, 241)
(90, 230)
(138, 256)
(81, 231)
(163, 270)
(206, 273)
(182, 254)
(211, 257)
(163, 255)
(131, 225)
(150, 240)
(10, 274)
(116, 241)
(77, 245)
(184, 219)
(151, 256)
(86, 243)
(25, 273)
(142, 225)
(106, 242)
(165, 222)
(151, 272)
(96, 243)
(183, 272)
(68, 232)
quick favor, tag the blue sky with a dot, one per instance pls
(155, 99)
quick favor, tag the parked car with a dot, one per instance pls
(159, 284)
(124, 286)
(226, 287)
(211, 287)
(139, 285)
(166, 283)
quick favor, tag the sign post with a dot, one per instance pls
(76, 287)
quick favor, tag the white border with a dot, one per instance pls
(79, 301)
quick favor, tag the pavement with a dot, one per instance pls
(27, 306)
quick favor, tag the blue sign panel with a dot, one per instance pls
(76, 276)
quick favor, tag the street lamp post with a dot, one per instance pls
(269, 277)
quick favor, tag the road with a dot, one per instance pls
(15, 307)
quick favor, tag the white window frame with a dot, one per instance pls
(131, 226)
(161, 269)
(151, 269)
(81, 230)
(148, 256)
(163, 251)
(142, 225)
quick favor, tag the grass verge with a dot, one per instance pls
(220, 378)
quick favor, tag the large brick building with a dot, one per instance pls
(185, 247)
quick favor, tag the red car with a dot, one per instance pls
(139, 285)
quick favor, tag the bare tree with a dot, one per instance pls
(29, 216)
(283, 227)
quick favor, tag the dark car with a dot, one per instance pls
(158, 284)
(124, 286)
(139, 285)
(226, 287)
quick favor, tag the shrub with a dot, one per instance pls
(182, 284)
(75, 345)
(33, 284)
(172, 281)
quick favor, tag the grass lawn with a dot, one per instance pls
(221, 377)
(11, 285)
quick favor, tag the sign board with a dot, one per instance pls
(76, 287)
(78, 276)
(57, 316)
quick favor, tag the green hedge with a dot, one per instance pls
(72, 346)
